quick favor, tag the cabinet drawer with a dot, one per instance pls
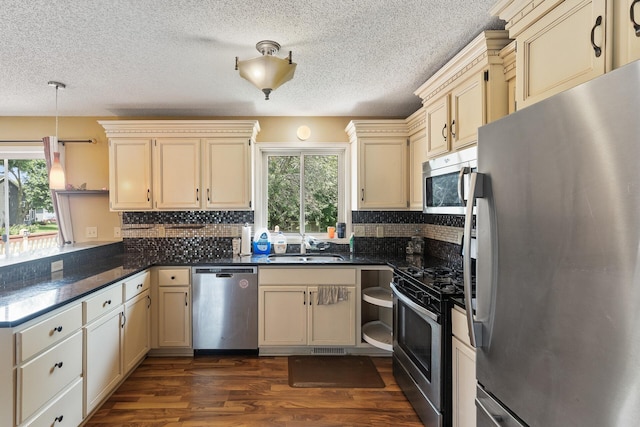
(307, 276)
(102, 303)
(174, 276)
(51, 330)
(459, 325)
(48, 374)
(65, 411)
(135, 285)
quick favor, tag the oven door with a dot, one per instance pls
(417, 340)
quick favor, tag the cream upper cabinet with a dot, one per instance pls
(626, 32)
(176, 173)
(417, 156)
(508, 55)
(437, 120)
(227, 173)
(468, 92)
(379, 159)
(173, 164)
(559, 44)
(130, 176)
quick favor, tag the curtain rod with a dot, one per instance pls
(62, 141)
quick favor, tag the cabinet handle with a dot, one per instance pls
(56, 329)
(57, 365)
(636, 26)
(362, 195)
(310, 298)
(139, 286)
(597, 49)
(208, 195)
(453, 133)
(148, 195)
(106, 303)
(197, 194)
(148, 301)
(124, 320)
(58, 419)
(304, 298)
(444, 132)
(186, 299)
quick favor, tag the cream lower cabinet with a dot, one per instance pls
(291, 315)
(174, 312)
(103, 357)
(463, 366)
(137, 329)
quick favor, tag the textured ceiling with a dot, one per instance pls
(176, 58)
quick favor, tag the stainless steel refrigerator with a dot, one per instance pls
(558, 271)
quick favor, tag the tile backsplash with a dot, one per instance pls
(208, 234)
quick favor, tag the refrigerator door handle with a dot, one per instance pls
(495, 419)
(476, 184)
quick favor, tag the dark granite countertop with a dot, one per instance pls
(26, 300)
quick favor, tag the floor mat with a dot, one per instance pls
(333, 371)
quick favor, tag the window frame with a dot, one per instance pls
(292, 149)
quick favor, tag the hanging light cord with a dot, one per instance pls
(57, 85)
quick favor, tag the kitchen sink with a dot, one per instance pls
(305, 258)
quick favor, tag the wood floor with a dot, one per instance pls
(246, 391)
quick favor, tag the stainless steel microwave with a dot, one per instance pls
(445, 181)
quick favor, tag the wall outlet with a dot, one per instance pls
(379, 231)
(116, 232)
(57, 266)
(358, 230)
(161, 231)
(91, 232)
(235, 231)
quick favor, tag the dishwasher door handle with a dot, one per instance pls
(224, 275)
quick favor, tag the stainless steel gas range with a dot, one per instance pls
(422, 338)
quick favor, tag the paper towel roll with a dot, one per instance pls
(246, 240)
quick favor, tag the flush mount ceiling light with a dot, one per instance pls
(267, 72)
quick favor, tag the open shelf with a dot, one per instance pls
(378, 334)
(378, 296)
(73, 192)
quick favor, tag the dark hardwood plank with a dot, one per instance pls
(246, 391)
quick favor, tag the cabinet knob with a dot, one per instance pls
(173, 277)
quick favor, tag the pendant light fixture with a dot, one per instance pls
(56, 174)
(267, 72)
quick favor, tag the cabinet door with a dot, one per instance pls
(467, 112)
(103, 358)
(417, 156)
(559, 51)
(332, 324)
(383, 173)
(437, 123)
(137, 329)
(626, 38)
(464, 384)
(174, 316)
(130, 174)
(227, 173)
(282, 312)
(177, 173)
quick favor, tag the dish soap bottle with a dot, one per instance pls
(280, 242)
(352, 241)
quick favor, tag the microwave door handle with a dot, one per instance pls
(475, 190)
(463, 171)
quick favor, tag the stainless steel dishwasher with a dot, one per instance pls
(225, 308)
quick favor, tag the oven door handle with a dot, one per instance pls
(413, 305)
